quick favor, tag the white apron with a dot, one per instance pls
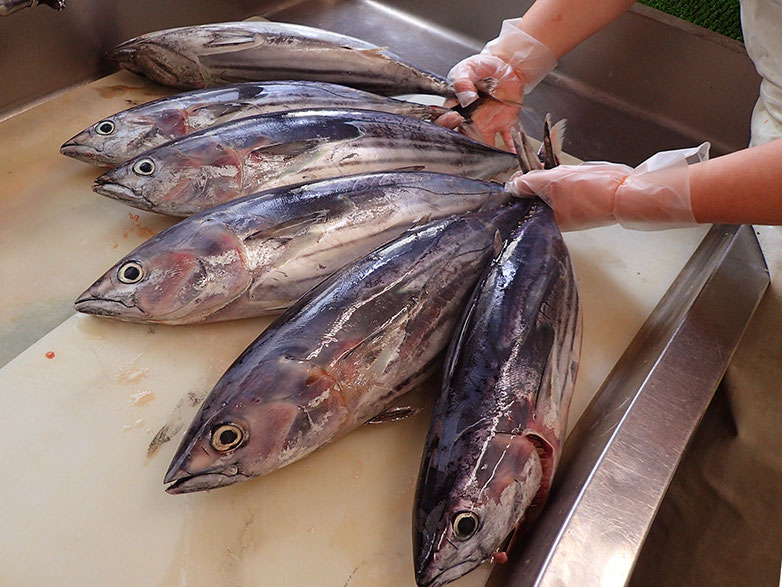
(761, 21)
(720, 523)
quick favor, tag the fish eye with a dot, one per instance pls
(105, 127)
(144, 166)
(130, 272)
(227, 437)
(465, 524)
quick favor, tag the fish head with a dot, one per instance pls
(459, 525)
(257, 419)
(115, 139)
(182, 275)
(159, 58)
(178, 178)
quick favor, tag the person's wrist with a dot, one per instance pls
(656, 194)
(530, 59)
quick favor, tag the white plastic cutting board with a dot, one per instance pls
(83, 500)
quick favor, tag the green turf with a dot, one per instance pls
(721, 16)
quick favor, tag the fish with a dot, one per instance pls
(225, 53)
(340, 355)
(10, 6)
(257, 255)
(245, 156)
(499, 420)
(117, 138)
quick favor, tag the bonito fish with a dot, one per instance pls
(341, 354)
(225, 53)
(129, 133)
(500, 418)
(259, 254)
(10, 6)
(245, 156)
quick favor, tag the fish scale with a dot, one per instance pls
(499, 420)
(138, 129)
(288, 239)
(355, 342)
(216, 54)
(219, 164)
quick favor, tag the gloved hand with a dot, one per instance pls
(507, 68)
(653, 196)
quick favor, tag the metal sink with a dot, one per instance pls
(646, 83)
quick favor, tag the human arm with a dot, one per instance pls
(739, 188)
(744, 187)
(524, 52)
(563, 24)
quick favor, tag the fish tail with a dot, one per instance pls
(550, 151)
(467, 111)
(528, 160)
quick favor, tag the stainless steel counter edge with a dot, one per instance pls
(622, 454)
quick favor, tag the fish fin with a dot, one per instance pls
(285, 150)
(550, 149)
(544, 344)
(176, 420)
(420, 222)
(223, 109)
(466, 112)
(528, 160)
(290, 229)
(256, 19)
(411, 168)
(373, 50)
(488, 85)
(394, 415)
(227, 38)
(558, 138)
(498, 243)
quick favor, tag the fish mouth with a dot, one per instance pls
(105, 187)
(97, 306)
(422, 579)
(183, 482)
(123, 54)
(84, 153)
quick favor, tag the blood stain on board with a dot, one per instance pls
(111, 91)
(142, 230)
(49, 355)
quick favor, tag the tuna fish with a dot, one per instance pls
(259, 254)
(500, 418)
(129, 133)
(342, 354)
(10, 6)
(216, 54)
(245, 156)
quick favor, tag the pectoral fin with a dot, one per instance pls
(292, 228)
(218, 110)
(285, 150)
(395, 414)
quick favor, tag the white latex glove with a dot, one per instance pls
(507, 67)
(653, 196)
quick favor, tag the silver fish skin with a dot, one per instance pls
(245, 156)
(258, 255)
(225, 53)
(499, 420)
(10, 6)
(341, 355)
(121, 136)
